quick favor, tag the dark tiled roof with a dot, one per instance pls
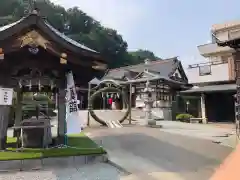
(212, 88)
(69, 40)
(162, 67)
(2, 28)
(58, 33)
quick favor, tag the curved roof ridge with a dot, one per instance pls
(161, 61)
(62, 35)
(2, 28)
(50, 27)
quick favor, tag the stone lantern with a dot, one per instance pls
(148, 103)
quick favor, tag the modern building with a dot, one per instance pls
(214, 79)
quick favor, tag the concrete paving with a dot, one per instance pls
(98, 171)
(216, 133)
(153, 154)
(204, 131)
(231, 141)
(178, 151)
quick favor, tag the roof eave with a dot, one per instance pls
(34, 19)
(233, 43)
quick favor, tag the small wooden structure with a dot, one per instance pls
(35, 57)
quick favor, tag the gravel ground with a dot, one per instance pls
(98, 171)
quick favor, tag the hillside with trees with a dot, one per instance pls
(78, 26)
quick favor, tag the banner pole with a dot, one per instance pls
(71, 112)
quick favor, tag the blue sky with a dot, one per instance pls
(166, 27)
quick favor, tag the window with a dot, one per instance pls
(204, 70)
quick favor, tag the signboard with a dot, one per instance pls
(74, 122)
(6, 96)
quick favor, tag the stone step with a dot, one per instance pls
(113, 124)
(117, 124)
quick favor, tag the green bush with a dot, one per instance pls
(184, 117)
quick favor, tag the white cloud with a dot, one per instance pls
(121, 15)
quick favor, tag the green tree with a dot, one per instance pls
(78, 26)
(140, 55)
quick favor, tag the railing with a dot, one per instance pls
(207, 63)
(231, 34)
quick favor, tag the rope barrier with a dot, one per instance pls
(108, 89)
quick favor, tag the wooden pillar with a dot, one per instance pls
(174, 104)
(203, 109)
(18, 112)
(177, 99)
(56, 100)
(104, 100)
(89, 95)
(130, 103)
(199, 107)
(61, 112)
(124, 106)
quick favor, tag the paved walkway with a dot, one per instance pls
(100, 171)
(153, 154)
(203, 131)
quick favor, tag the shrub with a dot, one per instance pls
(184, 117)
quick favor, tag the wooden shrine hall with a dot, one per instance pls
(35, 57)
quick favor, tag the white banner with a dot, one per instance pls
(6, 96)
(74, 123)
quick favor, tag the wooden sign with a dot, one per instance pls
(6, 96)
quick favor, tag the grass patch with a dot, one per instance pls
(82, 144)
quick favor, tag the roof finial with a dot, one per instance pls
(35, 10)
(147, 61)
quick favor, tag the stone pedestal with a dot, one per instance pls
(4, 116)
(148, 112)
(37, 137)
(149, 120)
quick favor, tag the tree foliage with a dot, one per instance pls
(78, 26)
(140, 55)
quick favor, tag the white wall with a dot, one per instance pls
(219, 72)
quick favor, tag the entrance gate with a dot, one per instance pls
(35, 57)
